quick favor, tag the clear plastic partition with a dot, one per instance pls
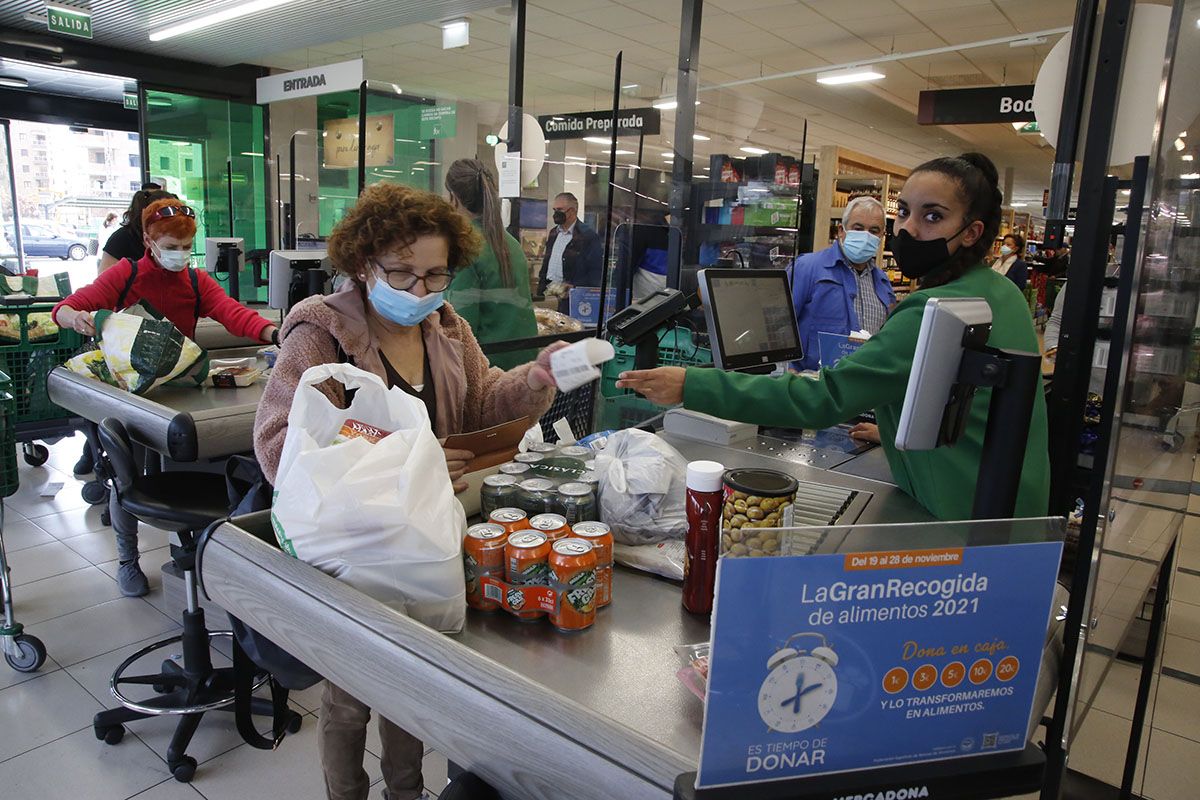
(1155, 436)
(209, 152)
(401, 147)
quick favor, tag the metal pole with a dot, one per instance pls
(143, 127)
(685, 129)
(1157, 619)
(291, 230)
(637, 178)
(1070, 117)
(516, 100)
(612, 182)
(268, 220)
(279, 240)
(1078, 609)
(16, 214)
(362, 137)
(229, 190)
(800, 189)
(1088, 259)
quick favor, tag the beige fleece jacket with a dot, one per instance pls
(470, 394)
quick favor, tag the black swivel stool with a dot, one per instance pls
(186, 503)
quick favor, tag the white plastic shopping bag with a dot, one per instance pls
(363, 494)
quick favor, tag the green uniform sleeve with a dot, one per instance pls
(875, 375)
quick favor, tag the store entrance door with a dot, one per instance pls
(209, 152)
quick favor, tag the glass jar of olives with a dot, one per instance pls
(756, 501)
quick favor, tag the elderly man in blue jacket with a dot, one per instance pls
(840, 289)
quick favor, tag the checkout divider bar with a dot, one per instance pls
(523, 739)
(536, 342)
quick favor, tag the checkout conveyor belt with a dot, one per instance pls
(184, 423)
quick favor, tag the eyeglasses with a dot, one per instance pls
(171, 211)
(404, 280)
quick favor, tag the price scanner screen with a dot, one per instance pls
(752, 321)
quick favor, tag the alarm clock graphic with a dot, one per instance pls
(800, 686)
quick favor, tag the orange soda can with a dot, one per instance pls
(601, 538)
(573, 577)
(526, 558)
(553, 525)
(483, 554)
(513, 519)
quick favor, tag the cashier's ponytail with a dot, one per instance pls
(475, 187)
(979, 189)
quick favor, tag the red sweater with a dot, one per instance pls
(171, 295)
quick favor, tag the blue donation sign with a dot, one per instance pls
(832, 663)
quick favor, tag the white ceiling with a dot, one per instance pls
(127, 23)
(571, 45)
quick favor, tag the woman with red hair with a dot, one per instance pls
(163, 278)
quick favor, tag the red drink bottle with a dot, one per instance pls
(704, 501)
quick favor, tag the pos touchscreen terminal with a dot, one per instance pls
(751, 318)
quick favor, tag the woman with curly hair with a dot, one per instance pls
(399, 248)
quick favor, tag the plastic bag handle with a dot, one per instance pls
(348, 375)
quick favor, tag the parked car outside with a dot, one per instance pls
(39, 238)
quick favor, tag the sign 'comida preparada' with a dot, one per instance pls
(630, 122)
(345, 76)
(976, 106)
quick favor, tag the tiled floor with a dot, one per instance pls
(63, 565)
(1171, 741)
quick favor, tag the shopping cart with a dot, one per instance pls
(31, 345)
(23, 652)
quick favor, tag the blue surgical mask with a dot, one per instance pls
(860, 246)
(403, 308)
(1005, 250)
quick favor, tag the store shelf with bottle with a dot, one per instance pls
(750, 205)
(844, 175)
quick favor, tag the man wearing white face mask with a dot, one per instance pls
(840, 289)
(163, 279)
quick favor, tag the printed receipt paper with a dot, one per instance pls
(491, 446)
(576, 365)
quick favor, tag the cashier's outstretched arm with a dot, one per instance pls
(873, 376)
(663, 386)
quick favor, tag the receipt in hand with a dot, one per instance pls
(575, 365)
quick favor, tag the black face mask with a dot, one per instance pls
(560, 217)
(919, 257)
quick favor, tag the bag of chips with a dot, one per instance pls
(143, 350)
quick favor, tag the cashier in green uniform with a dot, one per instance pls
(949, 215)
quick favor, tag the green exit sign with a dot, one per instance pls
(1029, 127)
(130, 101)
(69, 21)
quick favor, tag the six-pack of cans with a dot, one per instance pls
(541, 566)
(546, 480)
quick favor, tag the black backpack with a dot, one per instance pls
(253, 653)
